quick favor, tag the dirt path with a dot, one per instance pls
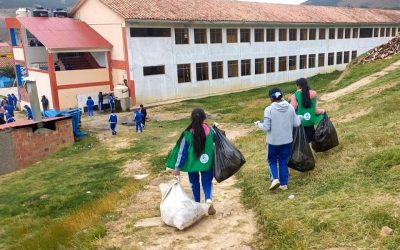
(139, 226)
(355, 86)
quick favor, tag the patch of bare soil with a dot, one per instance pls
(377, 90)
(355, 86)
(135, 168)
(139, 226)
(351, 116)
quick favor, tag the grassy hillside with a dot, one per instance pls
(65, 200)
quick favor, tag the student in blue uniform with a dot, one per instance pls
(28, 111)
(138, 121)
(111, 102)
(113, 123)
(15, 101)
(10, 100)
(90, 106)
(10, 119)
(10, 109)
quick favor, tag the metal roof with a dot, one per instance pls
(64, 33)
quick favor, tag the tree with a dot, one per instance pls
(8, 71)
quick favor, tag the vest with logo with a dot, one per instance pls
(307, 113)
(192, 163)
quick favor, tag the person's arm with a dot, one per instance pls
(294, 102)
(318, 110)
(182, 155)
(266, 124)
(296, 119)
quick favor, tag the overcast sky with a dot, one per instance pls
(278, 1)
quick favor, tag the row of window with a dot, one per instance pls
(261, 65)
(262, 35)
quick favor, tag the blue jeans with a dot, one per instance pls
(139, 127)
(206, 182)
(100, 106)
(279, 154)
(112, 127)
(90, 111)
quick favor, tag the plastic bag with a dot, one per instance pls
(227, 158)
(301, 158)
(177, 208)
(325, 136)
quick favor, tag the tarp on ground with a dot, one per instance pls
(76, 116)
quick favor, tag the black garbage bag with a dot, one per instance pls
(325, 136)
(227, 158)
(301, 158)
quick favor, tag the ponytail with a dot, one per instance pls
(199, 135)
(305, 92)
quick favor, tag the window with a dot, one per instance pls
(353, 54)
(270, 64)
(292, 34)
(245, 67)
(303, 61)
(312, 34)
(217, 70)
(387, 32)
(282, 34)
(292, 62)
(231, 36)
(393, 31)
(202, 71)
(154, 70)
(339, 57)
(366, 32)
(355, 32)
(215, 35)
(259, 35)
(311, 61)
(346, 57)
(200, 36)
(303, 34)
(382, 33)
(331, 59)
(244, 35)
(340, 33)
(259, 66)
(150, 32)
(270, 35)
(181, 36)
(376, 32)
(332, 33)
(233, 68)
(322, 33)
(347, 33)
(282, 63)
(183, 73)
(321, 60)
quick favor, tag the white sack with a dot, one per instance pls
(177, 208)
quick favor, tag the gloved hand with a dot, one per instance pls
(301, 117)
(256, 123)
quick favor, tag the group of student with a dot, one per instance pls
(90, 103)
(7, 107)
(196, 153)
(59, 65)
(139, 117)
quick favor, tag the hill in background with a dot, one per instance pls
(381, 4)
(8, 4)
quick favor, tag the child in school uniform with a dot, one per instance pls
(113, 123)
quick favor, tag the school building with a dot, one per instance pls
(180, 49)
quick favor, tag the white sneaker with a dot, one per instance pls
(274, 185)
(283, 187)
(211, 209)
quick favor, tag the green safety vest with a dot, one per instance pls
(193, 164)
(310, 118)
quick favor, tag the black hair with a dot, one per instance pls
(141, 105)
(272, 95)
(199, 135)
(305, 92)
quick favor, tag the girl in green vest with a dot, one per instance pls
(304, 101)
(194, 153)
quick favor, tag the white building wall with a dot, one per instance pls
(154, 51)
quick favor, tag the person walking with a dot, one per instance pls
(15, 101)
(90, 106)
(111, 102)
(101, 101)
(143, 111)
(28, 112)
(304, 102)
(138, 117)
(45, 103)
(194, 153)
(113, 123)
(279, 120)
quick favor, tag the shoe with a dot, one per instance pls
(211, 209)
(283, 187)
(274, 185)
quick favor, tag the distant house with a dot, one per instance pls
(179, 49)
